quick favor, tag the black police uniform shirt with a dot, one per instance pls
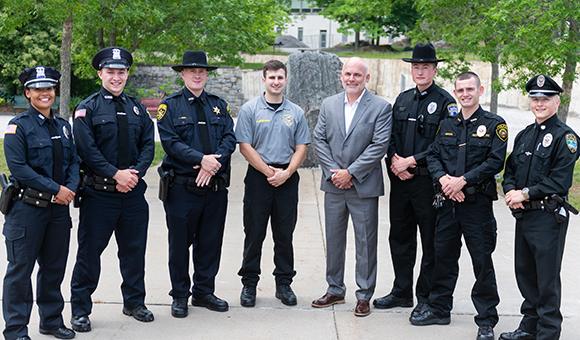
(178, 129)
(28, 150)
(435, 104)
(552, 165)
(487, 137)
(97, 135)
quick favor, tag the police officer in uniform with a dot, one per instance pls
(541, 165)
(273, 134)
(468, 151)
(417, 114)
(196, 132)
(114, 137)
(41, 157)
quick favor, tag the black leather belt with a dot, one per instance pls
(419, 171)
(100, 183)
(280, 166)
(215, 184)
(533, 205)
(35, 197)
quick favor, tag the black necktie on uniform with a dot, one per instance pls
(202, 126)
(56, 151)
(411, 123)
(529, 152)
(460, 168)
(123, 130)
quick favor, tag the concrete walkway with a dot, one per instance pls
(272, 320)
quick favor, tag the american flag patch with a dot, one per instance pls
(11, 129)
(80, 113)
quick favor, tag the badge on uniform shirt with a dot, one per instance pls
(11, 129)
(502, 132)
(481, 130)
(288, 119)
(547, 141)
(432, 107)
(65, 132)
(161, 111)
(80, 113)
(541, 80)
(136, 110)
(452, 109)
(572, 142)
(216, 110)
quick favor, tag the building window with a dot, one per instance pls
(322, 38)
(300, 33)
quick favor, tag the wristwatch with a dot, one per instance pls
(526, 193)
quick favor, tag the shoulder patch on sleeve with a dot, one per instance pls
(11, 129)
(80, 113)
(502, 132)
(229, 111)
(452, 109)
(161, 111)
(572, 142)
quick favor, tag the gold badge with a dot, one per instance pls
(216, 110)
(481, 130)
(547, 141)
(161, 111)
(572, 142)
(502, 132)
(541, 80)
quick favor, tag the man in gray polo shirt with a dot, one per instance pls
(272, 133)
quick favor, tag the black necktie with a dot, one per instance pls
(529, 148)
(411, 123)
(460, 168)
(56, 151)
(123, 129)
(202, 126)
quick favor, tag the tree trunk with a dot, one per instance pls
(113, 37)
(100, 39)
(65, 66)
(569, 71)
(494, 93)
(356, 41)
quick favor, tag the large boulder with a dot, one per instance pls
(312, 77)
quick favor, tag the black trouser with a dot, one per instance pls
(410, 205)
(102, 214)
(263, 201)
(539, 248)
(33, 235)
(476, 222)
(195, 221)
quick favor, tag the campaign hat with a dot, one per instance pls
(423, 54)
(194, 59)
(39, 77)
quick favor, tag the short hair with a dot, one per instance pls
(468, 75)
(274, 65)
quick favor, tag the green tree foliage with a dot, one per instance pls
(525, 37)
(35, 43)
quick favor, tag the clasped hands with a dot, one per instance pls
(452, 186)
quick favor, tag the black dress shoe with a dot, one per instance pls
(210, 302)
(390, 301)
(485, 332)
(141, 313)
(419, 309)
(286, 295)
(179, 307)
(59, 333)
(80, 323)
(518, 334)
(248, 296)
(24, 337)
(428, 318)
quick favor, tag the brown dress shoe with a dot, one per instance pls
(362, 308)
(327, 300)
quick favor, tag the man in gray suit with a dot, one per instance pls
(350, 139)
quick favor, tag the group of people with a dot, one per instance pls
(441, 162)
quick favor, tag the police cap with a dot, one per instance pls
(543, 86)
(39, 77)
(112, 57)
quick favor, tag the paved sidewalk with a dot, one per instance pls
(272, 320)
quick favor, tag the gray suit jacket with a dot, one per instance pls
(361, 149)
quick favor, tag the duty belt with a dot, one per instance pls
(533, 205)
(100, 183)
(35, 197)
(419, 171)
(215, 184)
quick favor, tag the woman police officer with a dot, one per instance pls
(42, 158)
